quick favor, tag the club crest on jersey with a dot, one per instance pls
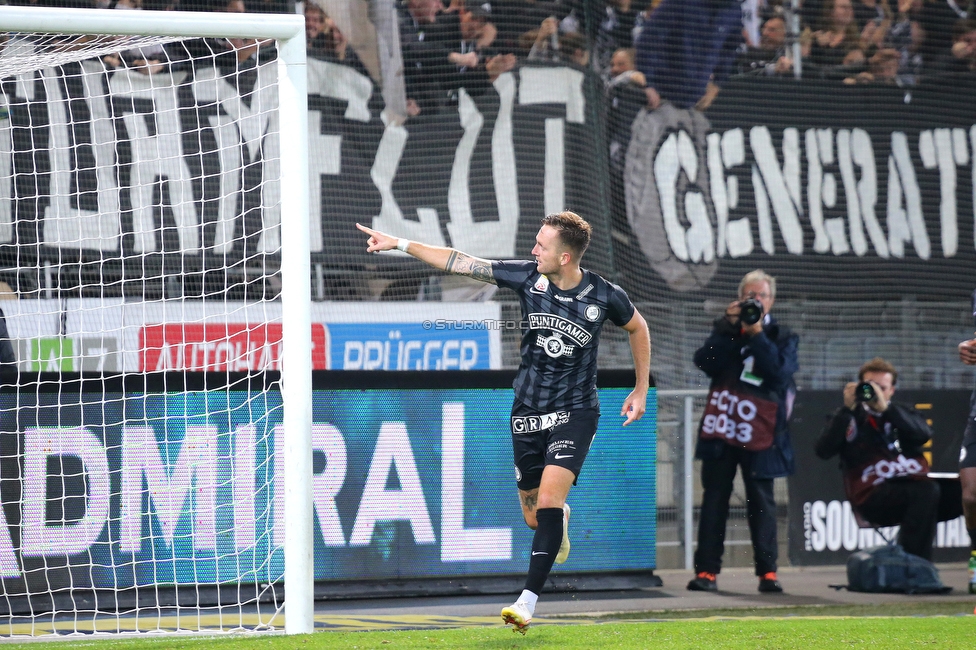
(592, 313)
(554, 345)
(542, 284)
(851, 433)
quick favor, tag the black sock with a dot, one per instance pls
(545, 546)
(972, 539)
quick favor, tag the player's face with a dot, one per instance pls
(548, 250)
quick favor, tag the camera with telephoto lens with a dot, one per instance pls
(865, 392)
(750, 311)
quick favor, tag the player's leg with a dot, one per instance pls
(529, 499)
(967, 479)
(528, 448)
(548, 516)
(967, 473)
(566, 445)
(529, 453)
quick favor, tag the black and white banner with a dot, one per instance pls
(847, 189)
(854, 188)
(125, 164)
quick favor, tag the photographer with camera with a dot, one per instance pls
(750, 359)
(880, 447)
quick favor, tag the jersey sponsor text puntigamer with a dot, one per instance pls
(560, 334)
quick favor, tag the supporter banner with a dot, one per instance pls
(822, 528)
(110, 490)
(872, 185)
(862, 181)
(115, 336)
(478, 177)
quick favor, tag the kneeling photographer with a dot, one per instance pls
(880, 447)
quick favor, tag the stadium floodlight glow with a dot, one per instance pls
(27, 60)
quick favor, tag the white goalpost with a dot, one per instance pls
(154, 219)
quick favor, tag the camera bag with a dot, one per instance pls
(891, 569)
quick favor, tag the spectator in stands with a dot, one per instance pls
(316, 41)
(751, 21)
(871, 11)
(880, 447)
(549, 45)
(882, 68)
(812, 14)
(572, 49)
(874, 22)
(335, 47)
(513, 20)
(962, 56)
(517, 20)
(425, 61)
(226, 53)
(937, 19)
(625, 98)
(686, 50)
(469, 39)
(468, 35)
(770, 57)
(839, 41)
(903, 33)
(642, 17)
(246, 49)
(147, 60)
(623, 68)
(750, 359)
(615, 32)
(546, 43)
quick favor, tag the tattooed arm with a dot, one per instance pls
(446, 259)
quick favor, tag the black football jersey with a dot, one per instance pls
(560, 334)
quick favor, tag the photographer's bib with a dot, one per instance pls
(860, 481)
(738, 418)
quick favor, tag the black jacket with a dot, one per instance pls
(865, 442)
(774, 359)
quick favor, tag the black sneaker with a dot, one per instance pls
(768, 584)
(704, 581)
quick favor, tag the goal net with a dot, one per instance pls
(159, 307)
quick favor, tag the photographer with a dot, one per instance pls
(880, 446)
(750, 359)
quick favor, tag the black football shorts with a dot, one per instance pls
(560, 438)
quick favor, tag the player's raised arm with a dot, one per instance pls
(445, 259)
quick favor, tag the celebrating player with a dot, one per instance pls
(556, 409)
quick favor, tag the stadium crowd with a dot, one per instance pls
(452, 44)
